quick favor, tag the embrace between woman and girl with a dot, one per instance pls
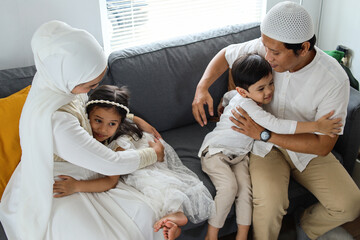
(92, 170)
(72, 144)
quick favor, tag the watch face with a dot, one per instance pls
(265, 135)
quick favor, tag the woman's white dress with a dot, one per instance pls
(169, 186)
(119, 213)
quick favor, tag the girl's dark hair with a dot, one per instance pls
(249, 69)
(118, 95)
(297, 46)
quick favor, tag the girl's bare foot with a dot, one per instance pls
(178, 218)
(159, 224)
(171, 225)
(171, 230)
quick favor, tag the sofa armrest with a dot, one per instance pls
(348, 144)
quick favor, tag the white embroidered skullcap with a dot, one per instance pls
(288, 22)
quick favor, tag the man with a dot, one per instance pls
(308, 84)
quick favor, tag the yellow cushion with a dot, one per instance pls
(10, 151)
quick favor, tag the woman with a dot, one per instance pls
(69, 61)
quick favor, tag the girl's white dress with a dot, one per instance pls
(169, 186)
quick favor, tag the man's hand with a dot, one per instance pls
(146, 127)
(217, 66)
(202, 97)
(245, 124)
(159, 149)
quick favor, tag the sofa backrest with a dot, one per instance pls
(162, 77)
(13, 80)
(348, 143)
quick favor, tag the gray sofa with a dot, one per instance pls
(162, 78)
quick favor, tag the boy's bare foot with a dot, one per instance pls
(171, 230)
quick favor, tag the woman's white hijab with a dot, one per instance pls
(64, 57)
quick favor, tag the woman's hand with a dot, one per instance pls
(245, 124)
(64, 187)
(146, 127)
(330, 127)
(202, 97)
(159, 149)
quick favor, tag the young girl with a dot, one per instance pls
(169, 188)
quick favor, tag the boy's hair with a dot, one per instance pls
(249, 69)
(119, 95)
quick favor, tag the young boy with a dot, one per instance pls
(224, 151)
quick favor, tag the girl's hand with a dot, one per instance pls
(159, 149)
(330, 127)
(64, 187)
(146, 127)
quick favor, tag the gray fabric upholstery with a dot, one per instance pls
(13, 80)
(348, 143)
(162, 77)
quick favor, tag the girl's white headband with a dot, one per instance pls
(108, 102)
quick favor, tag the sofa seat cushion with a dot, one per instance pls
(187, 141)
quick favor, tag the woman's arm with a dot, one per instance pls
(68, 185)
(75, 145)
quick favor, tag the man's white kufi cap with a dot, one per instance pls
(288, 22)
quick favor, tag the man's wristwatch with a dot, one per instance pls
(265, 135)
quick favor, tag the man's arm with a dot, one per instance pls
(305, 143)
(217, 66)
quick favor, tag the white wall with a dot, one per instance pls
(340, 25)
(20, 18)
